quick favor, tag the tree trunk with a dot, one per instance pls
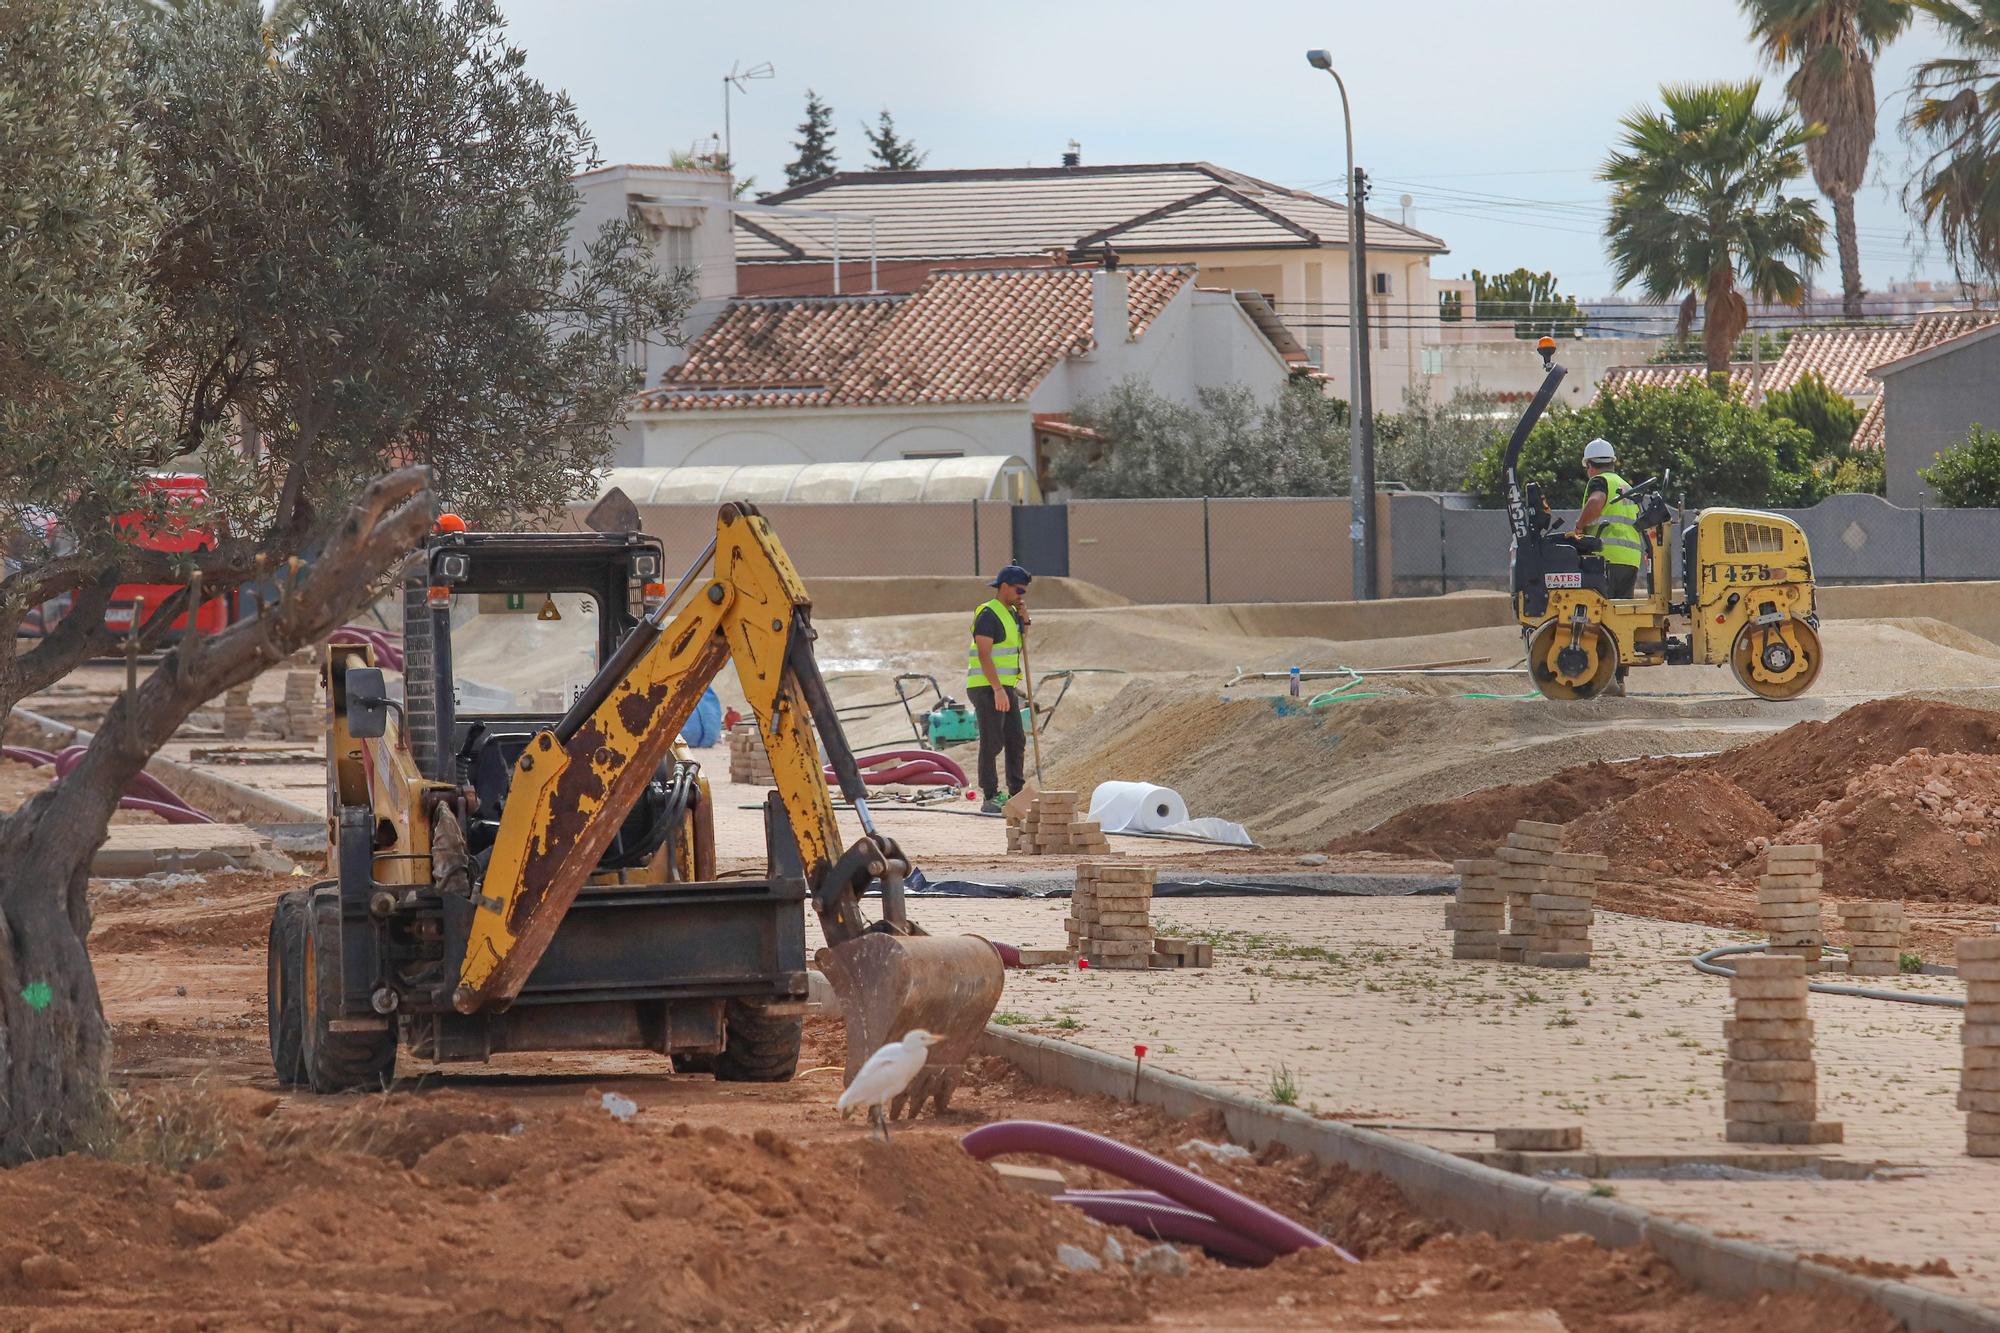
(54, 1050)
(54, 1046)
(1850, 255)
(1724, 318)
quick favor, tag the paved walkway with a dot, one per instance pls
(1356, 1004)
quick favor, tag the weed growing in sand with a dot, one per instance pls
(1068, 1024)
(171, 1127)
(1007, 1018)
(1910, 962)
(1283, 1089)
(1603, 1191)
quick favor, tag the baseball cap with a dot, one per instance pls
(1012, 574)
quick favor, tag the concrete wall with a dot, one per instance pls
(1513, 367)
(1932, 404)
(1297, 550)
(830, 434)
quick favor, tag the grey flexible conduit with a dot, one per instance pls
(1705, 962)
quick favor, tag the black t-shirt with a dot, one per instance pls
(989, 624)
(1598, 486)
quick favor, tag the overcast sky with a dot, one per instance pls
(1492, 115)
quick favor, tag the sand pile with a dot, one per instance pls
(1903, 793)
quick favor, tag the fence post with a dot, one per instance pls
(976, 565)
(1207, 565)
(1923, 548)
(1444, 577)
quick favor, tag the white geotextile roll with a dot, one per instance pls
(1137, 807)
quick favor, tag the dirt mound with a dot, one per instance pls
(1473, 825)
(1904, 794)
(454, 1211)
(1926, 826)
(1813, 762)
(1694, 822)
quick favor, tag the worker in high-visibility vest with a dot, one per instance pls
(993, 684)
(1611, 518)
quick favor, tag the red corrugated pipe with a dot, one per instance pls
(1246, 1219)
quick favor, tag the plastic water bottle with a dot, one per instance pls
(1294, 684)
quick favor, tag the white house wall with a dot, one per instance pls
(1198, 340)
(826, 435)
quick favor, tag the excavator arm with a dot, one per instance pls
(575, 783)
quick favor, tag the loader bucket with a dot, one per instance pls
(946, 984)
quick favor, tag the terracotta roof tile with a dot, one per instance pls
(1844, 356)
(1868, 434)
(782, 343)
(966, 335)
(1624, 379)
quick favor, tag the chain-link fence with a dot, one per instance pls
(1285, 550)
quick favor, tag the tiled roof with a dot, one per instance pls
(1868, 433)
(965, 336)
(1624, 379)
(1940, 335)
(782, 344)
(1032, 210)
(1844, 357)
(1841, 357)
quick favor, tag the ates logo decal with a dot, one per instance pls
(1571, 580)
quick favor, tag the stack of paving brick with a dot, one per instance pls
(1563, 911)
(1049, 824)
(748, 762)
(1788, 902)
(1979, 1080)
(1770, 1083)
(302, 713)
(1522, 866)
(1478, 918)
(1874, 938)
(1111, 914)
(1175, 952)
(237, 715)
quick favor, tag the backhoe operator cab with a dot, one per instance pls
(502, 634)
(525, 854)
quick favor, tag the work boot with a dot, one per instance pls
(1616, 689)
(990, 806)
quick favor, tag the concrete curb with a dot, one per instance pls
(1510, 1206)
(213, 795)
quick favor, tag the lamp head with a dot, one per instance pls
(1319, 58)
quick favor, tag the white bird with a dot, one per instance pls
(886, 1076)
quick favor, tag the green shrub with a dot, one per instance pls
(1967, 475)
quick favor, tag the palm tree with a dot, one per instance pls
(1832, 46)
(1698, 208)
(1955, 107)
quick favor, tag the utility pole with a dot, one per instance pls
(1360, 464)
(1363, 406)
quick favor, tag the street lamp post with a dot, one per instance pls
(1361, 503)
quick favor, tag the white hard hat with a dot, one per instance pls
(1599, 450)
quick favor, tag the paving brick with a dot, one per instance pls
(1769, 988)
(1764, 965)
(1766, 1029)
(1979, 948)
(1770, 1010)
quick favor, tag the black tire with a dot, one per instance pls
(337, 1061)
(758, 1047)
(284, 985)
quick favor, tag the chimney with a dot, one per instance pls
(1110, 309)
(1073, 155)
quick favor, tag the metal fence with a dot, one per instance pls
(1287, 550)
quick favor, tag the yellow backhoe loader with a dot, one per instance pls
(1746, 595)
(525, 858)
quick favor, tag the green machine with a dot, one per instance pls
(949, 722)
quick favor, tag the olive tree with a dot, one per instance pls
(332, 272)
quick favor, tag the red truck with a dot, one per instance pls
(179, 533)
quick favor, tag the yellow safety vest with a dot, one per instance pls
(1006, 650)
(1615, 527)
